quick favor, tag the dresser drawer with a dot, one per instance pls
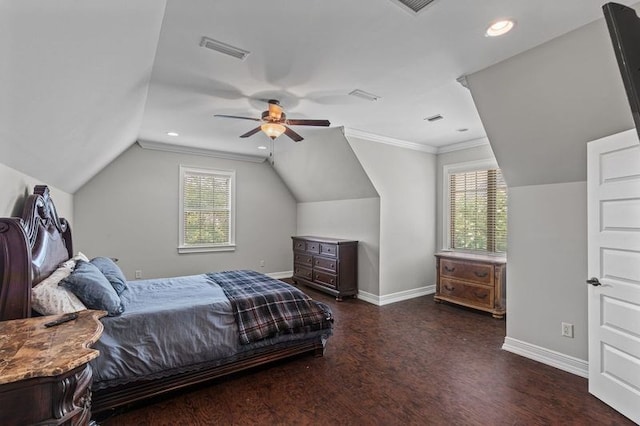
(312, 247)
(303, 259)
(468, 271)
(476, 295)
(299, 245)
(325, 279)
(324, 263)
(328, 249)
(302, 272)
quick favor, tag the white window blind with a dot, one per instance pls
(206, 208)
(478, 211)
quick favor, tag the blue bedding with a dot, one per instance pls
(172, 325)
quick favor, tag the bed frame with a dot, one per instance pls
(31, 247)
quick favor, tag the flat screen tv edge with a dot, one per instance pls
(624, 29)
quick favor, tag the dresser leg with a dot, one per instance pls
(339, 298)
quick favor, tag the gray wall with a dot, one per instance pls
(16, 186)
(335, 196)
(323, 167)
(405, 181)
(540, 109)
(130, 211)
(357, 219)
(547, 266)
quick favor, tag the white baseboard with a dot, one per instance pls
(396, 297)
(372, 298)
(555, 359)
(280, 275)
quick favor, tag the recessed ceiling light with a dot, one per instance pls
(500, 27)
(262, 147)
(172, 134)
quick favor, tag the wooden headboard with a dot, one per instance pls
(31, 247)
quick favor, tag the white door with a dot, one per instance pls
(613, 182)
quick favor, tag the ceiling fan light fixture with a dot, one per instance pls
(273, 130)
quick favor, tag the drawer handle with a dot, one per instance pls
(308, 260)
(446, 268)
(480, 294)
(449, 288)
(331, 280)
(481, 274)
(333, 266)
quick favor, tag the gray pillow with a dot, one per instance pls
(112, 272)
(93, 289)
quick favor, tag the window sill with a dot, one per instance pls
(204, 249)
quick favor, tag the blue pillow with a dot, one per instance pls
(112, 272)
(93, 289)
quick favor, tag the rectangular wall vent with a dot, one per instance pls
(414, 5)
(434, 118)
(365, 95)
(225, 48)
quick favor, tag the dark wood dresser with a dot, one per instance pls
(45, 377)
(326, 264)
(473, 280)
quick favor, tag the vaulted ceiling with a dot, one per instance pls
(81, 81)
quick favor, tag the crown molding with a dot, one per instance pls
(463, 145)
(388, 141)
(180, 149)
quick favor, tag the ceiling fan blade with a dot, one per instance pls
(293, 135)
(323, 123)
(251, 132)
(235, 116)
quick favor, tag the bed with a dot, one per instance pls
(143, 349)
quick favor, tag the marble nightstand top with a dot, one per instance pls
(28, 349)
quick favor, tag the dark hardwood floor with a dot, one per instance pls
(411, 362)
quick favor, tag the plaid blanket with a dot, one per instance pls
(265, 307)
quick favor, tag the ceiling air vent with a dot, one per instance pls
(225, 48)
(414, 5)
(365, 95)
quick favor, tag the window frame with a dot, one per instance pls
(200, 248)
(447, 171)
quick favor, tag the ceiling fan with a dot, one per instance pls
(275, 122)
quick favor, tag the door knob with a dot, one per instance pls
(593, 281)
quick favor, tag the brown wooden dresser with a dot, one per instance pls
(473, 280)
(326, 264)
(45, 377)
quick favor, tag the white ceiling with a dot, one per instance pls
(65, 59)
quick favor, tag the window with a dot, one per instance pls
(477, 214)
(207, 216)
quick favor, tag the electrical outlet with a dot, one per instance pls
(567, 329)
(262, 263)
(138, 274)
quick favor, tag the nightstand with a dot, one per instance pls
(474, 280)
(45, 377)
